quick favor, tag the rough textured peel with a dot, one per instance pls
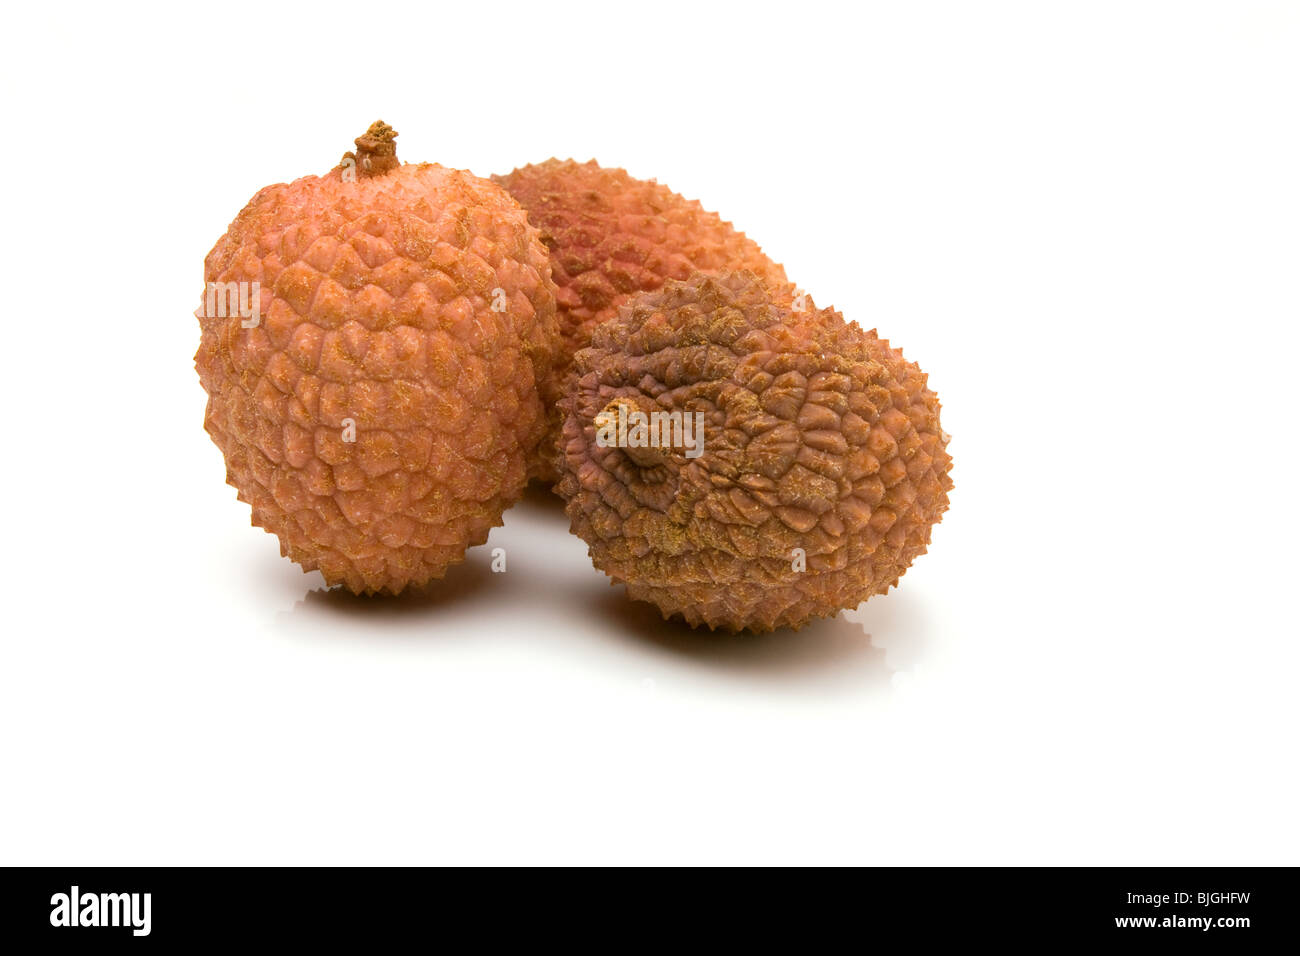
(818, 436)
(412, 301)
(612, 236)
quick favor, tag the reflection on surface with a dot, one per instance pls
(551, 605)
(841, 642)
(461, 584)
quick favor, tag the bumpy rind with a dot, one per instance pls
(417, 304)
(817, 436)
(612, 236)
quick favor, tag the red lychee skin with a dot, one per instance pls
(612, 236)
(377, 305)
(817, 436)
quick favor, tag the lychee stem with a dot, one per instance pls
(647, 457)
(376, 152)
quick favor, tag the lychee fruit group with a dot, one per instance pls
(373, 345)
(795, 468)
(612, 236)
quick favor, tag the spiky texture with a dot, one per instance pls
(377, 306)
(817, 436)
(612, 236)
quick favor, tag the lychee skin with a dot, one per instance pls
(817, 436)
(416, 304)
(612, 236)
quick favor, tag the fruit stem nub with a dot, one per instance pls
(608, 417)
(376, 152)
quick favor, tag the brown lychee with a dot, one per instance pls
(813, 481)
(611, 236)
(373, 341)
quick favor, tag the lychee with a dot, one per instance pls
(373, 341)
(745, 460)
(611, 236)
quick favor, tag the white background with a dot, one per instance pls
(1083, 220)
